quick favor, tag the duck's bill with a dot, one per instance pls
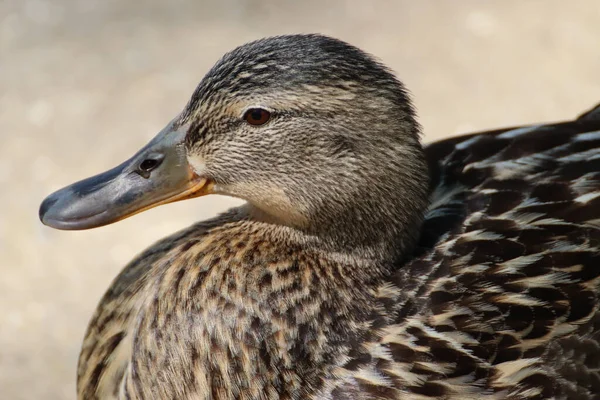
(158, 174)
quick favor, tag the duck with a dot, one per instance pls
(364, 264)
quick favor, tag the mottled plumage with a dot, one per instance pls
(362, 267)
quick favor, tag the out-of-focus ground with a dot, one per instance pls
(84, 83)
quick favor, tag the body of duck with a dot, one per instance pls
(363, 266)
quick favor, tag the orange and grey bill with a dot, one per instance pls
(158, 174)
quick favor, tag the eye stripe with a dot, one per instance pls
(196, 132)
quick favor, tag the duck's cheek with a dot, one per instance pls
(198, 164)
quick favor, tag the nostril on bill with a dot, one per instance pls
(149, 164)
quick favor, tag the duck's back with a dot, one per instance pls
(502, 299)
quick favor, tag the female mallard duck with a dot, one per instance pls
(362, 266)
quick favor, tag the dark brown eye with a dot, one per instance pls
(257, 116)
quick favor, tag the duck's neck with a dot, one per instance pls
(380, 225)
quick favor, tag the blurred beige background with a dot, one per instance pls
(84, 83)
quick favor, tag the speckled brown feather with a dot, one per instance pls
(499, 300)
(506, 304)
(242, 312)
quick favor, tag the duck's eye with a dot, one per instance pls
(257, 116)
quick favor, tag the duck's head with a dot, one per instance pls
(312, 132)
